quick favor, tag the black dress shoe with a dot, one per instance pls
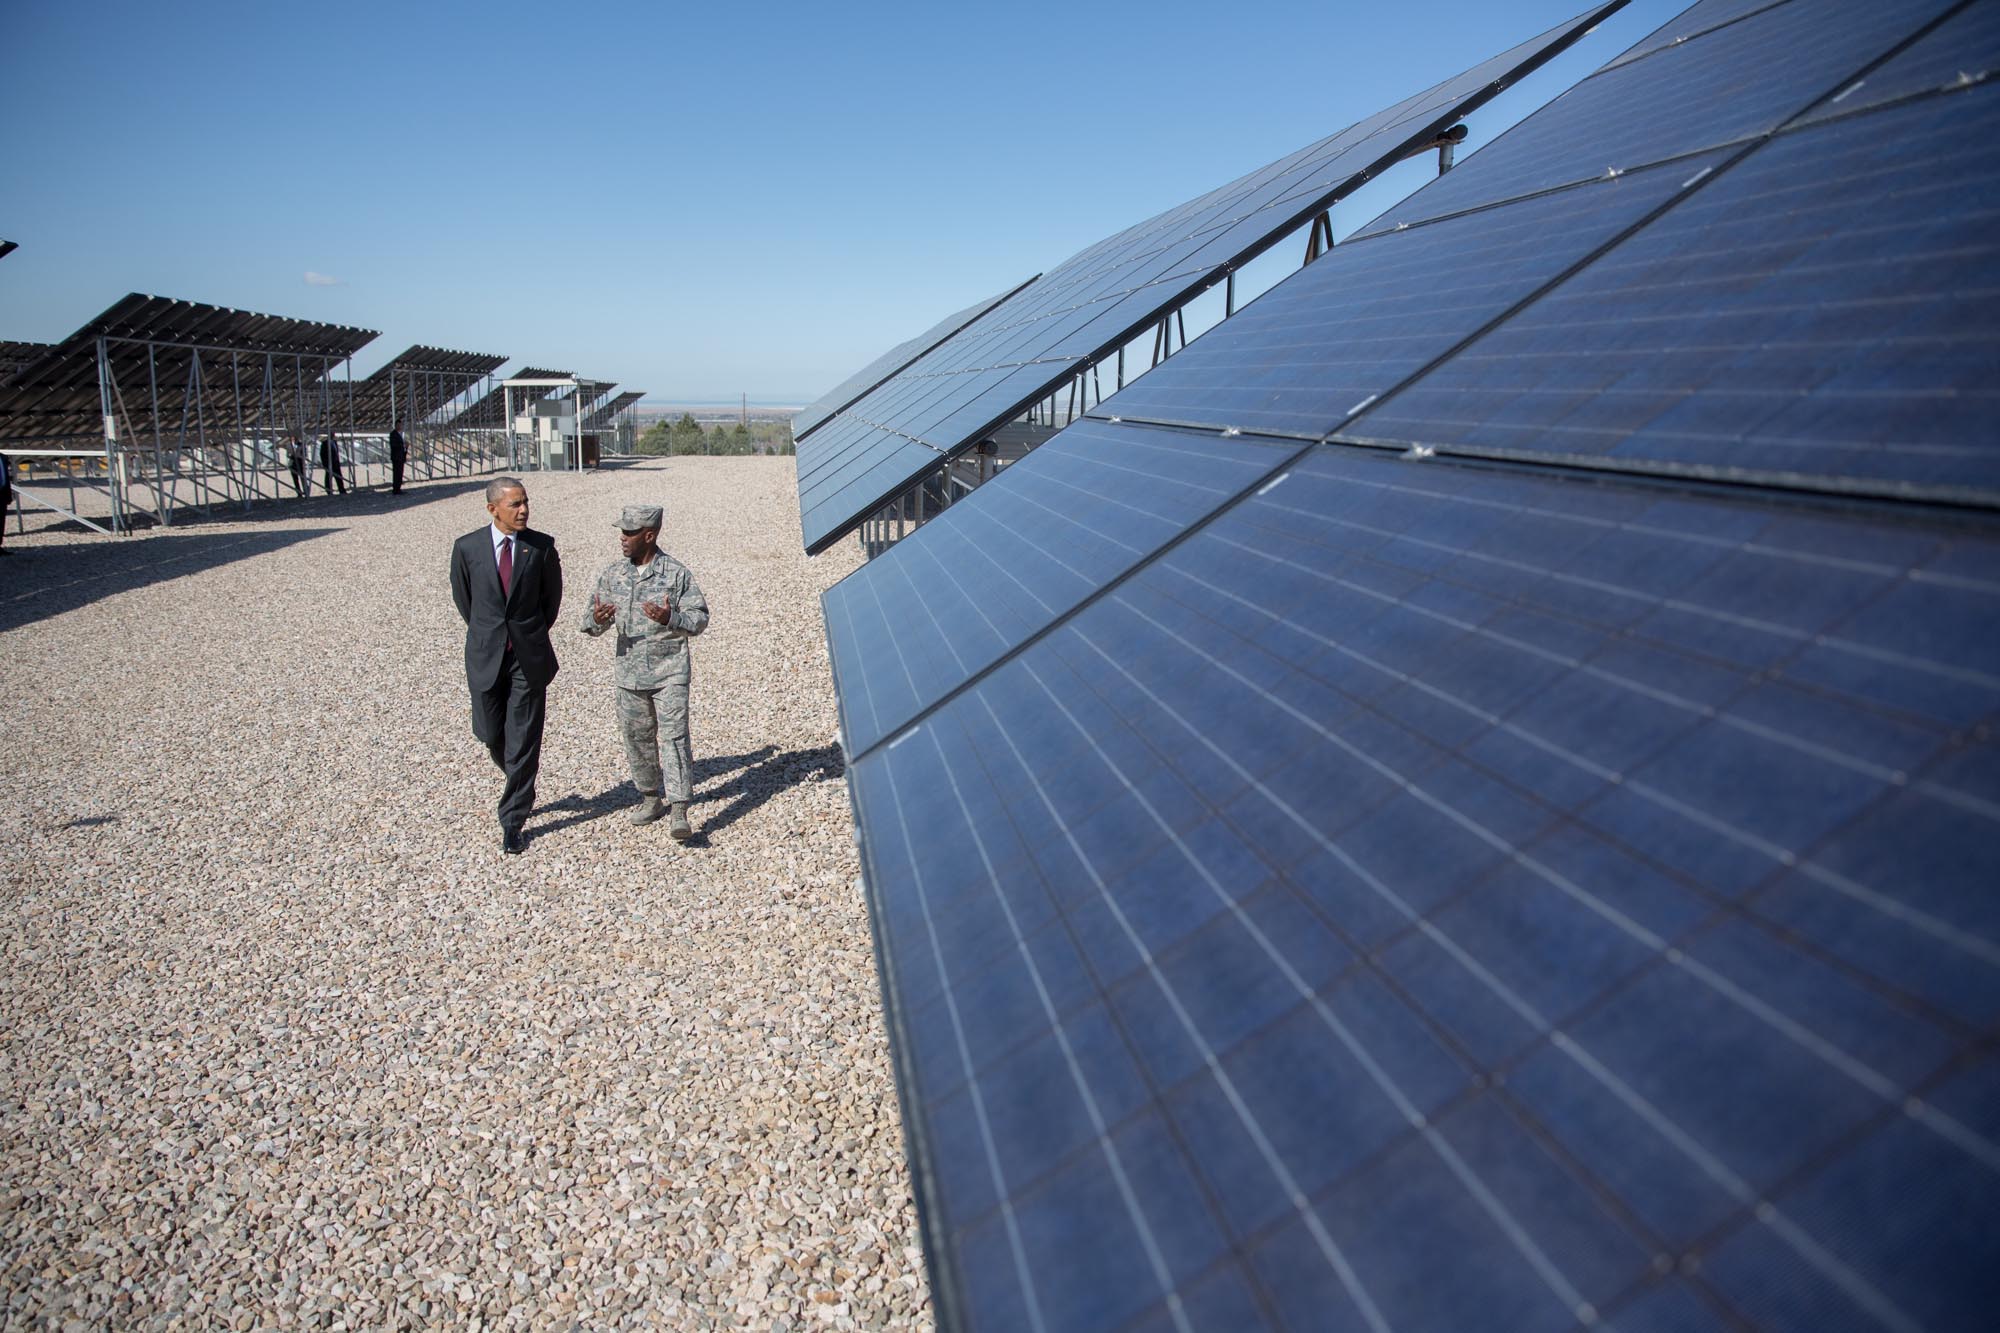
(513, 841)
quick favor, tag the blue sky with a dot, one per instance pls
(699, 201)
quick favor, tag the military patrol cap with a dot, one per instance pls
(634, 517)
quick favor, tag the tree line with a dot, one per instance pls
(688, 436)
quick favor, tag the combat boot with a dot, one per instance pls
(679, 828)
(649, 809)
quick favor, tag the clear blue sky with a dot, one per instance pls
(696, 200)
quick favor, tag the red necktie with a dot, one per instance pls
(506, 566)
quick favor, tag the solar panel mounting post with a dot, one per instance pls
(1321, 238)
(162, 507)
(110, 438)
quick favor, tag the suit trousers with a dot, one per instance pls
(507, 719)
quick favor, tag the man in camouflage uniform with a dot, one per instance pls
(653, 601)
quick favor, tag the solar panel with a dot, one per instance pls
(1823, 313)
(604, 413)
(16, 356)
(913, 624)
(1014, 355)
(1965, 48)
(1725, 86)
(1369, 314)
(59, 394)
(948, 600)
(882, 367)
(1433, 892)
(1509, 861)
(1696, 19)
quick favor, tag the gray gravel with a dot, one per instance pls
(286, 1042)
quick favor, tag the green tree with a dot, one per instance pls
(687, 436)
(657, 439)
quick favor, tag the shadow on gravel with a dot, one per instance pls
(767, 773)
(759, 775)
(39, 582)
(581, 809)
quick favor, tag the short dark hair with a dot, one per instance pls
(499, 486)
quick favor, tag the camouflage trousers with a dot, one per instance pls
(654, 726)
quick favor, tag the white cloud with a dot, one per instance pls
(322, 280)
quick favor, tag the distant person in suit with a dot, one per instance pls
(399, 453)
(329, 465)
(6, 499)
(301, 475)
(507, 583)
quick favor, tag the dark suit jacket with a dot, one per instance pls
(523, 617)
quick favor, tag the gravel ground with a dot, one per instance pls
(286, 1042)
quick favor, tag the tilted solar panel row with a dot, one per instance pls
(1594, 877)
(1014, 354)
(844, 394)
(1320, 884)
(157, 340)
(605, 413)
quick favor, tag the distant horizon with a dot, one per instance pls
(729, 404)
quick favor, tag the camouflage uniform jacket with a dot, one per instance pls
(651, 656)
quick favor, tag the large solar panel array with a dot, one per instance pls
(1013, 355)
(413, 387)
(156, 339)
(1468, 799)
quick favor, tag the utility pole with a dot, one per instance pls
(746, 409)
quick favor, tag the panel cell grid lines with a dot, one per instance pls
(946, 602)
(1700, 17)
(1367, 315)
(1825, 312)
(1725, 86)
(1435, 898)
(882, 367)
(1965, 48)
(1434, 892)
(1019, 351)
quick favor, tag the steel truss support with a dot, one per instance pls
(1321, 238)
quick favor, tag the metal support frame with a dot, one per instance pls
(1321, 238)
(213, 437)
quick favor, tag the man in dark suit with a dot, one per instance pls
(329, 465)
(507, 582)
(399, 453)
